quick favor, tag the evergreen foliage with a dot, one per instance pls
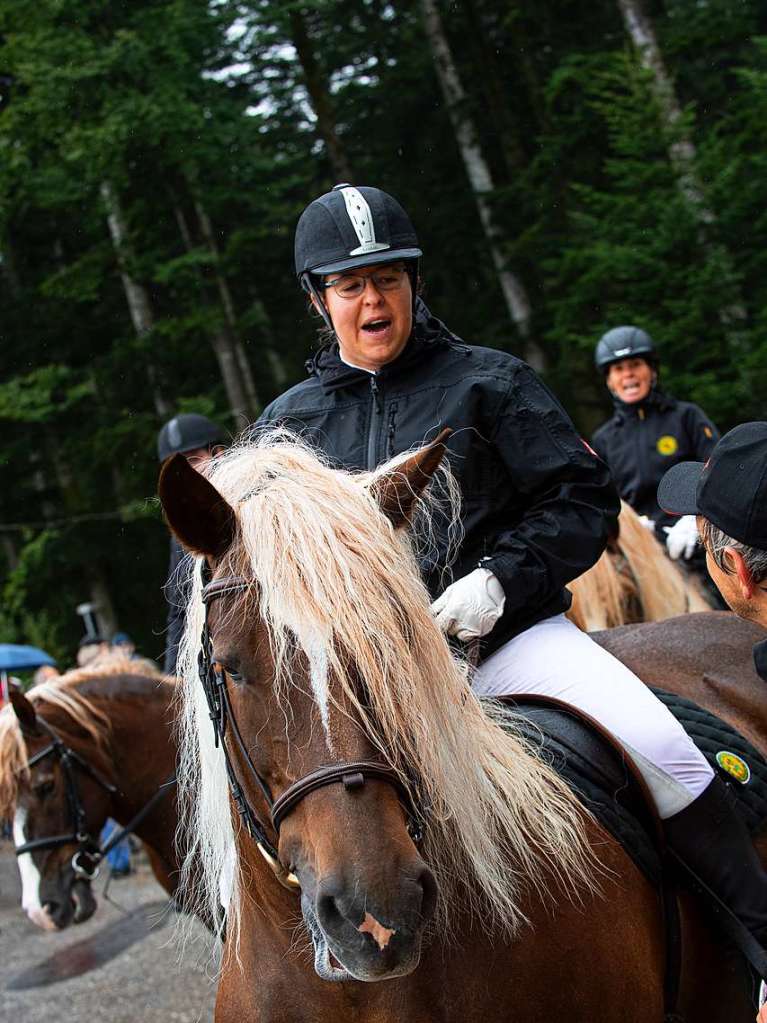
(211, 125)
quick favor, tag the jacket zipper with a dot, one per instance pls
(375, 415)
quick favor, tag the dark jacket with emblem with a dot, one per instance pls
(643, 440)
(536, 504)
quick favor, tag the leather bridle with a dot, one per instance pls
(86, 860)
(351, 774)
(89, 854)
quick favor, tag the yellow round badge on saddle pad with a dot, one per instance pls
(734, 765)
(667, 444)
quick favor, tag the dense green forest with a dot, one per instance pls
(568, 166)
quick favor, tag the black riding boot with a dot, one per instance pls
(710, 839)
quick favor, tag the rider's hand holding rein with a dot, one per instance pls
(470, 607)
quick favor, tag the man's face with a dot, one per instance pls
(747, 599)
(372, 327)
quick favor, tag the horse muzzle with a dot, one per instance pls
(355, 940)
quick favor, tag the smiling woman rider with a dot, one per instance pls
(648, 433)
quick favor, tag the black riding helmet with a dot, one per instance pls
(187, 432)
(624, 343)
(352, 227)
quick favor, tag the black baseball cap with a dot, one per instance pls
(730, 489)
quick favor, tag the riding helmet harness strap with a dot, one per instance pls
(351, 774)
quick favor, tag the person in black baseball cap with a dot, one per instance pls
(728, 494)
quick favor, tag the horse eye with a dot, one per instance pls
(235, 676)
(43, 789)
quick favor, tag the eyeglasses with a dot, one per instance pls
(391, 278)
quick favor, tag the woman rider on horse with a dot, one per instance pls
(648, 433)
(537, 506)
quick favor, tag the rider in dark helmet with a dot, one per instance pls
(537, 504)
(196, 437)
(648, 432)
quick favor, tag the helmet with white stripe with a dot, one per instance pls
(351, 227)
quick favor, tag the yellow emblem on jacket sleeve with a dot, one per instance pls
(667, 444)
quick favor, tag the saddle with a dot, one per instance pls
(597, 770)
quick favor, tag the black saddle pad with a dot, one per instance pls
(598, 774)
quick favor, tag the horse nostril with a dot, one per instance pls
(328, 913)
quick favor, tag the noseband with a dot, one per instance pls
(351, 774)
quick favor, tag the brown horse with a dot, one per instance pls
(420, 839)
(633, 581)
(99, 742)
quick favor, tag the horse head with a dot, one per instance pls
(338, 809)
(56, 805)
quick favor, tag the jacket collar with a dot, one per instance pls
(656, 399)
(760, 659)
(429, 335)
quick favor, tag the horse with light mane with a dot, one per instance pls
(367, 792)
(633, 581)
(98, 742)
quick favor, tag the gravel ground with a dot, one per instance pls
(121, 966)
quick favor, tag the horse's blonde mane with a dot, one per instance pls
(62, 692)
(332, 571)
(602, 595)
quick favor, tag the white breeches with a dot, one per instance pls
(554, 658)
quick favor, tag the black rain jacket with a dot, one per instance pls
(537, 505)
(643, 440)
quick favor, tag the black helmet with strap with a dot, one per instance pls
(187, 432)
(624, 343)
(352, 227)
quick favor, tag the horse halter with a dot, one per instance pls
(85, 862)
(351, 774)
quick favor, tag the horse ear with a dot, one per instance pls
(398, 489)
(23, 708)
(198, 515)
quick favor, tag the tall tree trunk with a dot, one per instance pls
(136, 295)
(681, 149)
(227, 303)
(230, 356)
(478, 172)
(319, 96)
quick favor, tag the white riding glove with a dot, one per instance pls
(470, 607)
(647, 522)
(682, 538)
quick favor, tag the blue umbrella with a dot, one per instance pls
(14, 657)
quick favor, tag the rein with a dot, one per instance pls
(85, 862)
(351, 774)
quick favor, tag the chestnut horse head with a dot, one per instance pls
(88, 745)
(52, 798)
(344, 725)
